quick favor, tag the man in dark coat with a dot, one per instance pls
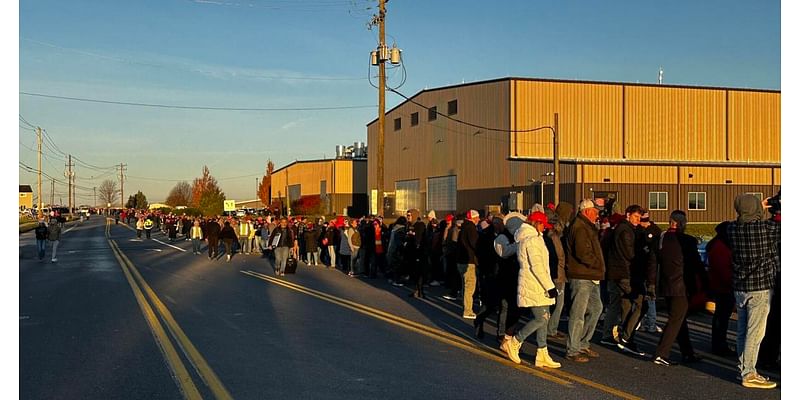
(467, 260)
(677, 253)
(212, 233)
(585, 269)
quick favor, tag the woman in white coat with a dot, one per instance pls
(535, 290)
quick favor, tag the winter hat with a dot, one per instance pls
(432, 214)
(472, 214)
(449, 217)
(539, 216)
(749, 208)
(680, 217)
(565, 212)
(513, 221)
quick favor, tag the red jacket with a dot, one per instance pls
(720, 263)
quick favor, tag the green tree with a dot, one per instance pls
(211, 202)
(137, 201)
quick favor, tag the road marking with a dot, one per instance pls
(195, 358)
(167, 244)
(70, 228)
(156, 250)
(179, 372)
(553, 375)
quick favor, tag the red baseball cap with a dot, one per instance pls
(449, 218)
(539, 216)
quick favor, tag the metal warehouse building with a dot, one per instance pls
(340, 183)
(664, 147)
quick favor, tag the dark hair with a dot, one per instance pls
(633, 209)
(401, 221)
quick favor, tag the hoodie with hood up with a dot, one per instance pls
(755, 246)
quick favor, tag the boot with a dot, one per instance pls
(543, 359)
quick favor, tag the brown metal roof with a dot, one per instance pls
(25, 189)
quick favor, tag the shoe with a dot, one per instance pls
(512, 349)
(350, 274)
(657, 329)
(661, 361)
(580, 357)
(449, 297)
(615, 333)
(435, 283)
(543, 359)
(590, 353)
(54, 260)
(469, 316)
(397, 284)
(630, 347)
(609, 342)
(691, 358)
(756, 381)
(229, 257)
(283, 273)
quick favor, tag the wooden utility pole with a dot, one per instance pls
(556, 172)
(382, 51)
(122, 185)
(52, 191)
(69, 183)
(39, 177)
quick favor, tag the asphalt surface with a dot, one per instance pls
(315, 335)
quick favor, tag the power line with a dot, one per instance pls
(181, 107)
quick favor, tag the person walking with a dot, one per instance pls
(41, 233)
(282, 240)
(395, 252)
(196, 234)
(54, 236)
(417, 255)
(535, 290)
(467, 260)
(139, 227)
(311, 235)
(720, 280)
(585, 269)
(212, 234)
(555, 248)
(491, 293)
(328, 241)
(228, 236)
(244, 231)
(650, 236)
(148, 226)
(357, 257)
(346, 248)
(675, 254)
(755, 246)
(508, 274)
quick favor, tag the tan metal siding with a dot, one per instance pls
(590, 119)
(719, 176)
(777, 176)
(674, 123)
(629, 174)
(309, 175)
(754, 126)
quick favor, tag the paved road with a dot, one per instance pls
(123, 318)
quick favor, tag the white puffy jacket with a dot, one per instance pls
(534, 268)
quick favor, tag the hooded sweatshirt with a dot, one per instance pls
(755, 246)
(534, 272)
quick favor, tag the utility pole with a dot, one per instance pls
(122, 185)
(70, 175)
(52, 191)
(94, 189)
(381, 101)
(39, 177)
(556, 172)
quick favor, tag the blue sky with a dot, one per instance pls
(315, 53)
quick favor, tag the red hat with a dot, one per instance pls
(539, 216)
(449, 218)
(551, 206)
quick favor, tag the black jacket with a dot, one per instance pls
(467, 244)
(680, 264)
(227, 232)
(311, 236)
(41, 232)
(622, 251)
(212, 230)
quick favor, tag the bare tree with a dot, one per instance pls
(108, 191)
(180, 195)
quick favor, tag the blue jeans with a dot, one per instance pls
(752, 324)
(649, 320)
(552, 326)
(584, 314)
(541, 316)
(281, 255)
(40, 247)
(195, 245)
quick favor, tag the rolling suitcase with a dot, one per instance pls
(291, 265)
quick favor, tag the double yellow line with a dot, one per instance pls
(154, 309)
(552, 375)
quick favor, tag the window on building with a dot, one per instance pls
(697, 200)
(432, 114)
(757, 194)
(294, 192)
(415, 119)
(397, 124)
(657, 200)
(442, 193)
(452, 107)
(406, 195)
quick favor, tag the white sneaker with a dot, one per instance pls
(54, 260)
(512, 349)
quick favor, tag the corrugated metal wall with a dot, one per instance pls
(630, 173)
(590, 119)
(754, 126)
(349, 178)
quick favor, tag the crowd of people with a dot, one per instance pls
(554, 261)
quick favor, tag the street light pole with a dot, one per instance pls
(556, 171)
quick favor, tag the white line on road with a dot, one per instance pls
(71, 228)
(167, 244)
